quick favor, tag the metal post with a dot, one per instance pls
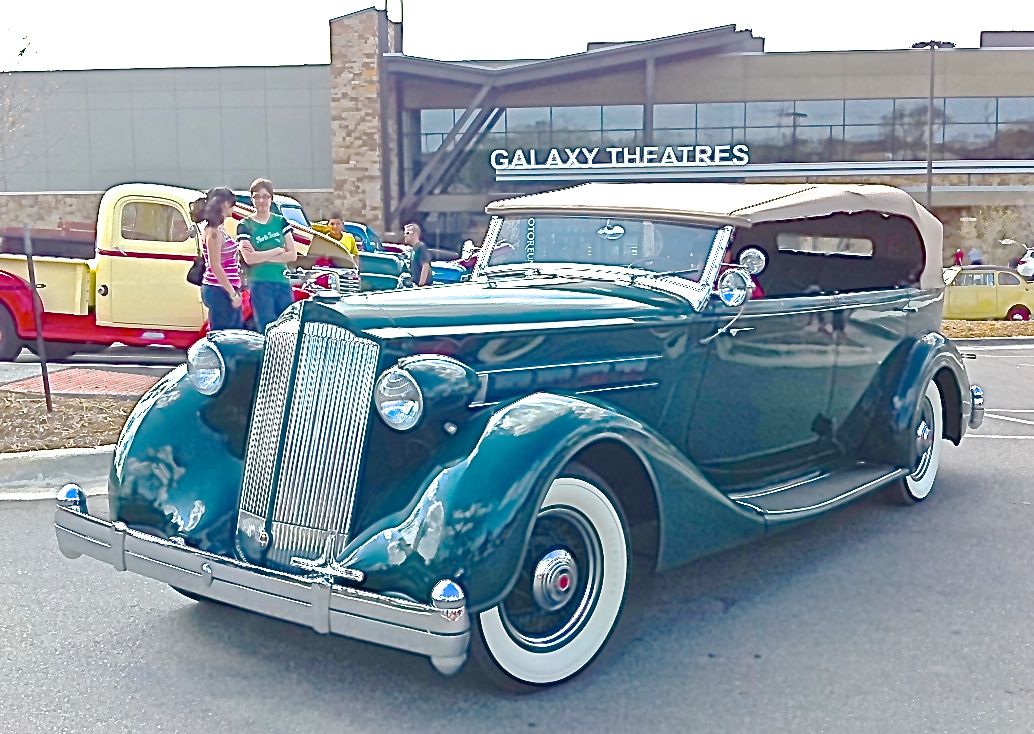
(929, 134)
(933, 46)
(41, 348)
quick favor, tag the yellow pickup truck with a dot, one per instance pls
(979, 292)
(130, 285)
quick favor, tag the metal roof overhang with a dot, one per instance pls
(724, 39)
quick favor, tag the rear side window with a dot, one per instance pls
(839, 253)
(965, 279)
(847, 246)
(152, 222)
(1008, 279)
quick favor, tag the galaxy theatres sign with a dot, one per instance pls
(638, 163)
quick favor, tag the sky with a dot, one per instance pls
(115, 34)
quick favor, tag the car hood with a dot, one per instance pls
(502, 304)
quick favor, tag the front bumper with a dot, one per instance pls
(441, 635)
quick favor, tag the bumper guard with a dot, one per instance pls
(440, 632)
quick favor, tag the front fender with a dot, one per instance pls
(472, 520)
(180, 459)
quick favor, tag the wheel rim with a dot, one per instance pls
(559, 647)
(559, 583)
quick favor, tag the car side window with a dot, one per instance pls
(1008, 279)
(152, 222)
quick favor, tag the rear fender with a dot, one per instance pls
(471, 522)
(894, 400)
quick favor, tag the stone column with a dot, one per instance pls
(362, 147)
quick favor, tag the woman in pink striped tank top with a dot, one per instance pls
(221, 286)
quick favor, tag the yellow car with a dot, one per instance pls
(987, 292)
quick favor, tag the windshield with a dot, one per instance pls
(294, 214)
(679, 249)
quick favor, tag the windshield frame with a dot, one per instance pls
(696, 293)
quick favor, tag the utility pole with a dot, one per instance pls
(933, 46)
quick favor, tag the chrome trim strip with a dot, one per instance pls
(810, 508)
(570, 364)
(618, 387)
(397, 332)
(737, 496)
(313, 601)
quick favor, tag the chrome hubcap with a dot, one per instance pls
(555, 579)
(924, 440)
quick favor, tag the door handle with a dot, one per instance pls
(734, 332)
(41, 285)
(910, 309)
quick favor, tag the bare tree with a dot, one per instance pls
(21, 100)
(996, 223)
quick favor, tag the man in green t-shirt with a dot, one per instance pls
(266, 244)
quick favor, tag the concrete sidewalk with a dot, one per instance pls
(39, 474)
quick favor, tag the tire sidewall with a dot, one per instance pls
(919, 489)
(532, 668)
(10, 343)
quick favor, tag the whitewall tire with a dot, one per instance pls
(570, 591)
(917, 486)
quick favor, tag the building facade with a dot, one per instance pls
(388, 138)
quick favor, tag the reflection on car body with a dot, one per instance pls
(472, 475)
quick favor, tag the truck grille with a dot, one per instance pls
(306, 441)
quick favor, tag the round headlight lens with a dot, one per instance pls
(205, 367)
(398, 399)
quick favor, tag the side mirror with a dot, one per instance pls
(734, 287)
(753, 260)
(193, 231)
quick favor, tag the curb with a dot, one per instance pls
(52, 468)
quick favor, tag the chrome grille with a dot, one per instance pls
(322, 442)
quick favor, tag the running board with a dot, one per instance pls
(817, 494)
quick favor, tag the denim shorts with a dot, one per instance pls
(268, 301)
(221, 313)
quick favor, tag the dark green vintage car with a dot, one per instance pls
(648, 371)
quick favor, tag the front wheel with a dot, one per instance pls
(569, 594)
(917, 486)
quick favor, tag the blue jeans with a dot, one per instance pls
(268, 301)
(221, 313)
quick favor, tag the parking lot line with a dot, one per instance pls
(1007, 418)
(989, 435)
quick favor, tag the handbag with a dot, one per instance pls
(196, 274)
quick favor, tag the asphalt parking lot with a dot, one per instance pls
(874, 619)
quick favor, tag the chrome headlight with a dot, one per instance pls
(205, 367)
(398, 399)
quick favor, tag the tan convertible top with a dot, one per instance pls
(741, 205)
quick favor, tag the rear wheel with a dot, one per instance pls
(569, 594)
(917, 486)
(10, 344)
(1018, 313)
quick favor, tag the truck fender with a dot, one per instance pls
(471, 521)
(16, 294)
